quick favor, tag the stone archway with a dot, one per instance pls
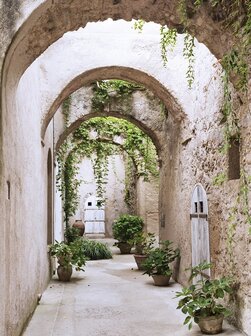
(42, 24)
(43, 27)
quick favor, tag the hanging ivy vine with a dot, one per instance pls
(105, 90)
(95, 139)
(234, 15)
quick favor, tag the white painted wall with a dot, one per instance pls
(115, 204)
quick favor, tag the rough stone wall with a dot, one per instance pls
(41, 30)
(195, 157)
(148, 203)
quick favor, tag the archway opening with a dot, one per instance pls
(116, 160)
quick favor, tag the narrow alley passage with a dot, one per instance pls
(111, 298)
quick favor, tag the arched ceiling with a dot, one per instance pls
(80, 58)
(49, 21)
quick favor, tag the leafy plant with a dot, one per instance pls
(126, 227)
(69, 254)
(201, 299)
(71, 234)
(219, 179)
(168, 39)
(105, 90)
(159, 259)
(144, 242)
(95, 250)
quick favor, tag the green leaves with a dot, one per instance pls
(188, 53)
(95, 250)
(201, 299)
(126, 227)
(168, 39)
(105, 90)
(135, 143)
(158, 259)
(139, 25)
(69, 254)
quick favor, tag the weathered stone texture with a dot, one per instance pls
(189, 146)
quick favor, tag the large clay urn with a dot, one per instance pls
(79, 225)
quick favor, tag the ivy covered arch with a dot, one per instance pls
(138, 147)
(171, 103)
(151, 122)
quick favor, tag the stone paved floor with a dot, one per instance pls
(111, 298)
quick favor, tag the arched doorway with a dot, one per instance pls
(199, 227)
(94, 216)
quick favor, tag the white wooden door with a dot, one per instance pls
(94, 216)
(200, 231)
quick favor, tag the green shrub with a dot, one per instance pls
(144, 242)
(71, 234)
(126, 227)
(159, 259)
(95, 250)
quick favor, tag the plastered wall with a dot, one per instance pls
(189, 152)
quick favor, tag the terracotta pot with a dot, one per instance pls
(161, 280)
(79, 225)
(125, 248)
(211, 325)
(64, 273)
(140, 258)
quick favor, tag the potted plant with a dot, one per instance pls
(124, 230)
(200, 301)
(158, 262)
(68, 255)
(144, 243)
(71, 234)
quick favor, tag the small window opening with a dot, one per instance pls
(196, 207)
(234, 159)
(8, 190)
(201, 207)
(89, 203)
(99, 204)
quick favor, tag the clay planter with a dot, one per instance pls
(139, 259)
(125, 248)
(211, 325)
(64, 273)
(80, 226)
(161, 280)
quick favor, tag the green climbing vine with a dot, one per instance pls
(168, 40)
(234, 15)
(96, 139)
(105, 90)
